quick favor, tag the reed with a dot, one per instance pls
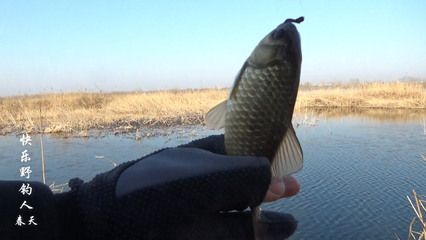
(76, 112)
(417, 227)
(43, 163)
(79, 112)
(365, 95)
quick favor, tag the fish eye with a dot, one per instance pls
(278, 34)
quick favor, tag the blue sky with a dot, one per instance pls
(94, 45)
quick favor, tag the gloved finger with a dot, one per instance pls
(197, 180)
(213, 143)
(239, 225)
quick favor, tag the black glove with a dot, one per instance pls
(176, 193)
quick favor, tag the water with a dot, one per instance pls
(359, 168)
(358, 171)
(84, 157)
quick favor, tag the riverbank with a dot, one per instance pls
(389, 95)
(80, 112)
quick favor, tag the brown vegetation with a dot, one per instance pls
(417, 228)
(365, 95)
(78, 112)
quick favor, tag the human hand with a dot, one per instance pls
(278, 188)
(176, 193)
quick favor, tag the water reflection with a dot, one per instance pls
(379, 115)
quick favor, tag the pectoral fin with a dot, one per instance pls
(289, 156)
(215, 118)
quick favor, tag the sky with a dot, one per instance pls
(100, 45)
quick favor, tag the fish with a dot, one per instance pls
(258, 112)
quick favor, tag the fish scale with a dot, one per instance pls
(258, 117)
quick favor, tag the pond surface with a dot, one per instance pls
(359, 168)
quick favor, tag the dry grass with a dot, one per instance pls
(417, 228)
(78, 112)
(366, 95)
